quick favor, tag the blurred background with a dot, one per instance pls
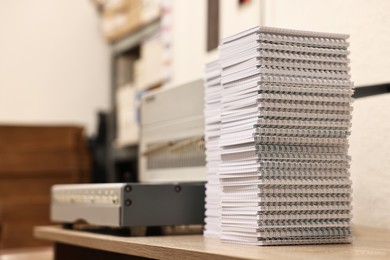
(72, 75)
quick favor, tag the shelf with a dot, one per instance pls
(134, 38)
(129, 45)
(368, 243)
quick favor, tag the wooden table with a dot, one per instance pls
(368, 243)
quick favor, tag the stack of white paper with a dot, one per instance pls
(285, 120)
(212, 131)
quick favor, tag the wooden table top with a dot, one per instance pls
(368, 243)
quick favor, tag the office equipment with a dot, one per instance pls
(172, 130)
(129, 204)
(285, 120)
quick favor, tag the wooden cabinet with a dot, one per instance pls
(32, 159)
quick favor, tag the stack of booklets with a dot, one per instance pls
(285, 121)
(213, 93)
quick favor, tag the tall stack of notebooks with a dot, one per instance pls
(285, 120)
(212, 128)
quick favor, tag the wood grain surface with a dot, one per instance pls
(32, 159)
(38, 253)
(368, 243)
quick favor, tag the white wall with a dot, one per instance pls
(370, 168)
(366, 21)
(235, 18)
(54, 63)
(189, 40)
(189, 34)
